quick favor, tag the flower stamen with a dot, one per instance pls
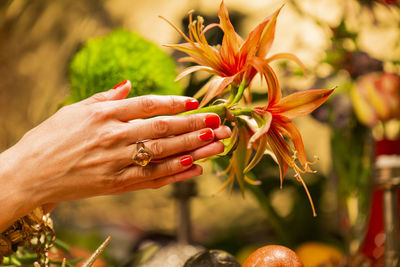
(300, 179)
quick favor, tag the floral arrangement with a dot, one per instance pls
(256, 130)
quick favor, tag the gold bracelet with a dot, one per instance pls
(35, 230)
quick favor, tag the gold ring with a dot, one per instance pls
(141, 156)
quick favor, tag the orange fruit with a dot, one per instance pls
(273, 256)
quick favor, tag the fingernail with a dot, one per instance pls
(212, 121)
(206, 135)
(186, 161)
(191, 104)
(120, 84)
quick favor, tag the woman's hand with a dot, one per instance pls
(86, 149)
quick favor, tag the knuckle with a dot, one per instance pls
(144, 172)
(112, 182)
(120, 133)
(187, 141)
(160, 127)
(173, 103)
(148, 104)
(157, 148)
(100, 96)
(108, 179)
(169, 167)
(98, 113)
(107, 136)
(194, 123)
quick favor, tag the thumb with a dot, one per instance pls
(120, 91)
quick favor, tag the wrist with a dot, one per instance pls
(16, 197)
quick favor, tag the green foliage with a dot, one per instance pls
(105, 61)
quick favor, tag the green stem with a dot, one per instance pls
(238, 95)
(220, 110)
(234, 91)
(243, 111)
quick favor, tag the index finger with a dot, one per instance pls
(151, 105)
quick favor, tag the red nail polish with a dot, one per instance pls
(186, 161)
(212, 121)
(191, 104)
(206, 135)
(120, 84)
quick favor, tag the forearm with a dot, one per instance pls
(16, 198)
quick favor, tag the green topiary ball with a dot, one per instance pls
(103, 62)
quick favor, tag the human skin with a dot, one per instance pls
(85, 150)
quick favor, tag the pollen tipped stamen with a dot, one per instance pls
(304, 168)
(199, 42)
(300, 179)
(200, 25)
(252, 182)
(307, 167)
(178, 30)
(316, 159)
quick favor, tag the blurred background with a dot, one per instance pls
(346, 43)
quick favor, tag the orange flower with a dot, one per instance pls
(275, 123)
(236, 62)
(233, 61)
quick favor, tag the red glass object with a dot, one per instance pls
(374, 243)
